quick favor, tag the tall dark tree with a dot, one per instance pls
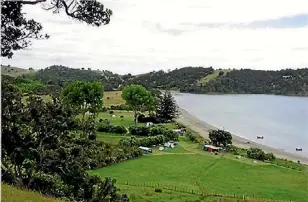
(17, 32)
(219, 137)
(167, 109)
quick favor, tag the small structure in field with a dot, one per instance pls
(180, 131)
(113, 116)
(170, 144)
(145, 150)
(211, 148)
(161, 148)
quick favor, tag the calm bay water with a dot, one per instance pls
(282, 120)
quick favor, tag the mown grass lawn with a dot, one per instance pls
(113, 98)
(209, 173)
(13, 194)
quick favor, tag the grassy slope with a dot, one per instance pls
(14, 71)
(213, 76)
(210, 174)
(13, 194)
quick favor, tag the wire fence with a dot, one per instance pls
(205, 193)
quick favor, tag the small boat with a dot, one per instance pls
(259, 137)
(299, 149)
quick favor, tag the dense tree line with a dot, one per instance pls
(283, 82)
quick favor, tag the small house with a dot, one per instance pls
(145, 150)
(211, 148)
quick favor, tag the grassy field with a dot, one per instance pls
(13, 194)
(14, 71)
(213, 75)
(113, 98)
(187, 169)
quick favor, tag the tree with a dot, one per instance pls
(220, 137)
(138, 98)
(17, 31)
(85, 97)
(167, 109)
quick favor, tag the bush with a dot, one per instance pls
(259, 154)
(121, 107)
(232, 149)
(144, 119)
(220, 73)
(111, 112)
(107, 128)
(146, 141)
(191, 136)
(270, 157)
(139, 130)
(154, 131)
(158, 190)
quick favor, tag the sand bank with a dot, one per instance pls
(203, 128)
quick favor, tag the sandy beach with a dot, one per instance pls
(203, 129)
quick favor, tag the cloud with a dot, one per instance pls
(152, 35)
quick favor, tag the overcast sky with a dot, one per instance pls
(147, 35)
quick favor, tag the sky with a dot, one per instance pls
(149, 35)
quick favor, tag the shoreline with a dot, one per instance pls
(203, 128)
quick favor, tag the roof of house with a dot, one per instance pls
(211, 146)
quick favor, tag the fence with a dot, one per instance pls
(204, 193)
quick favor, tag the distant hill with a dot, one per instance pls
(182, 79)
(14, 71)
(247, 81)
(186, 79)
(59, 75)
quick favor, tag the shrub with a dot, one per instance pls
(139, 130)
(191, 136)
(270, 157)
(256, 153)
(154, 131)
(107, 128)
(158, 190)
(146, 141)
(120, 107)
(220, 73)
(111, 112)
(232, 149)
(144, 119)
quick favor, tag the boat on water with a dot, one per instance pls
(299, 149)
(260, 137)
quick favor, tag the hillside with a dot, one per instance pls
(14, 71)
(246, 81)
(183, 79)
(13, 194)
(58, 75)
(186, 79)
